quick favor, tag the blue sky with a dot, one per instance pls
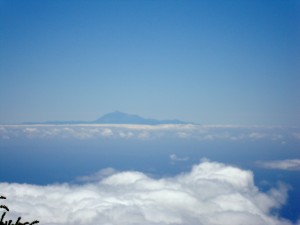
(211, 62)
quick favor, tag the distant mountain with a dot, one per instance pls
(124, 118)
(116, 117)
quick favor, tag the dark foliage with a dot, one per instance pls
(9, 222)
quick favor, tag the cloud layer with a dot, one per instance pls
(145, 132)
(210, 194)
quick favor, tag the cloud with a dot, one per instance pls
(150, 132)
(210, 194)
(144, 135)
(174, 157)
(98, 176)
(288, 164)
(107, 132)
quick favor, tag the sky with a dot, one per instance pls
(209, 62)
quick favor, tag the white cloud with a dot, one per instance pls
(288, 164)
(30, 130)
(256, 135)
(107, 132)
(210, 194)
(126, 134)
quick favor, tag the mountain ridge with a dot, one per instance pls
(115, 117)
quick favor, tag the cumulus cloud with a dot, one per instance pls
(210, 194)
(146, 132)
(288, 164)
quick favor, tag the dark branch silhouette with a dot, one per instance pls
(18, 222)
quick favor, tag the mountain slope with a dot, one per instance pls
(116, 117)
(124, 118)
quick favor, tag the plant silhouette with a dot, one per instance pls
(18, 222)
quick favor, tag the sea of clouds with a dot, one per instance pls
(144, 132)
(211, 193)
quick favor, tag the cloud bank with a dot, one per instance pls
(210, 194)
(146, 132)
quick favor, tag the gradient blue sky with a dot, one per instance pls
(211, 62)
